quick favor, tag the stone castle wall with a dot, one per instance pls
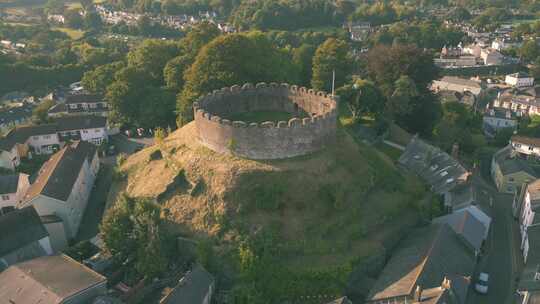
(266, 140)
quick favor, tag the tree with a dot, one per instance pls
(73, 18)
(174, 70)
(152, 56)
(400, 102)
(535, 69)
(97, 80)
(54, 7)
(362, 98)
(332, 55)
(39, 113)
(229, 60)
(133, 228)
(303, 60)
(397, 69)
(529, 51)
(92, 20)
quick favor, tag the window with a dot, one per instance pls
(47, 137)
(511, 179)
(531, 148)
(5, 197)
(97, 130)
(35, 137)
(85, 131)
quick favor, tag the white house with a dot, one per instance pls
(48, 138)
(12, 188)
(519, 80)
(80, 104)
(491, 56)
(457, 84)
(495, 119)
(64, 183)
(526, 208)
(22, 237)
(528, 146)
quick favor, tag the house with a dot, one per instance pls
(48, 138)
(461, 61)
(22, 237)
(473, 49)
(15, 116)
(435, 166)
(430, 266)
(12, 188)
(510, 172)
(56, 279)
(526, 146)
(459, 197)
(359, 31)
(343, 300)
(63, 185)
(471, 223)
(80, 104)
(491, 56)
(496, 119)
(521, 102)
(196, 287)
(457, 84)
(526, 209)
(519, 80)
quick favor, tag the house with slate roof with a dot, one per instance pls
(48, 138)
(526, 146)
(12, 188)
(22, 237)
(509, 172)
(196, 287)
(80, 104)
(56, 279)
(433, 265)
(433, 165)
(470, 223)
(63, 185)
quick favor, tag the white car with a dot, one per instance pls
(482, 283)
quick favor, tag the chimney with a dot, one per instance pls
(537, 273)
(492, 112)
(418, 294)
(508, 114)
(446, 283)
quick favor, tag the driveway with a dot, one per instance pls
(501, 255)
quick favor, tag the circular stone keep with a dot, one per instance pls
(311, 126)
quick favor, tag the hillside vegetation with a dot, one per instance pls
(312, 216)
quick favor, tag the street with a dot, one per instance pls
(501, 256)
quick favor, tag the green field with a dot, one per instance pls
(72, 33)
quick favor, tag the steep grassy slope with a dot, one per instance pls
(322, 211)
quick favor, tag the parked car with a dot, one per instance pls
(481, 285)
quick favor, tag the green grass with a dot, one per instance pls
(261, 116)
(392, 152)
(72, 33)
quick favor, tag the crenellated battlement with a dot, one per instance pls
(316, 118)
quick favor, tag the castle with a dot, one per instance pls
(269, 139)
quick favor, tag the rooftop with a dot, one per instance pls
(83, 98)
(9, 183)
(425, 258)
(48, 279)
(531, 141)
(57, 176)
(20, 228)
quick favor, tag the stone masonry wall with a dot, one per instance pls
(266, 140)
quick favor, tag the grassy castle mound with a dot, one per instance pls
(320, 212)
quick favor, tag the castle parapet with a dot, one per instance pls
(312, 127)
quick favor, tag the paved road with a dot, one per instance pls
(500, 255)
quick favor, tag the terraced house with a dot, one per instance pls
(49, 138)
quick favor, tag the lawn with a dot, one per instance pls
(261, 116)
(72, 33)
